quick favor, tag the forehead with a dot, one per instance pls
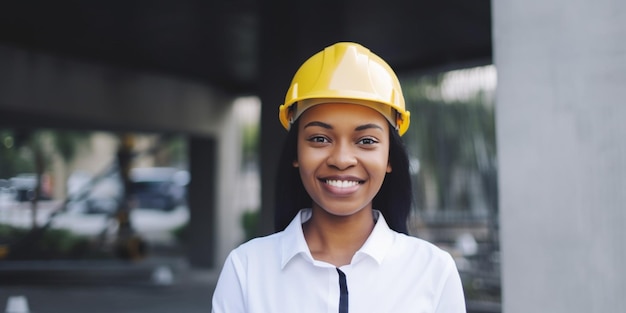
(343, 112)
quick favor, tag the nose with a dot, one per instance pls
(342, 156)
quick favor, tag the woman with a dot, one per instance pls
(343, 197)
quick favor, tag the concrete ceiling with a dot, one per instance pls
(218, 42)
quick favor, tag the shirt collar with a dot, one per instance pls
(376, 246)
(292, 239)
(379, 242)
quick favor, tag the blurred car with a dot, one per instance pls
(160, 188)
(24, 186)
(158, 199)
(94, 196)
(159, 202)
(7, 193)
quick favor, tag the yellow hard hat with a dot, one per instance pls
(346, 72)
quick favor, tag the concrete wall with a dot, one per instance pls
(561, 111)
(88, 94)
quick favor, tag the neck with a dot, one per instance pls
(335, 239)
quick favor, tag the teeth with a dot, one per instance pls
(342, 183)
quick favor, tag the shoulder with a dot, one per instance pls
(278, 246)
(255, 248)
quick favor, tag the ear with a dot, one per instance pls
(295, 163)
(389, 167)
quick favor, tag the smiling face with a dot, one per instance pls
(343, 156)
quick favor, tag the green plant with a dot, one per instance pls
(47, 244)
(250, 223)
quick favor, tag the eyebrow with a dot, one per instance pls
(320, 124)
(368, 126)
(358, 128)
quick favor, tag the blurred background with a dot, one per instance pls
(138, 142)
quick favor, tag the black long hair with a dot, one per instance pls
(394, 198)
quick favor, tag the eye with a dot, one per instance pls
(367, 141)
(318, 139)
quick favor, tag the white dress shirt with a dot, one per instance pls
(392, 272)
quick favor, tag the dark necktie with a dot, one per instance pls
(343, 292)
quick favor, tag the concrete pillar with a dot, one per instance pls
(228, 225)
(562, 154)
(201, 236)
